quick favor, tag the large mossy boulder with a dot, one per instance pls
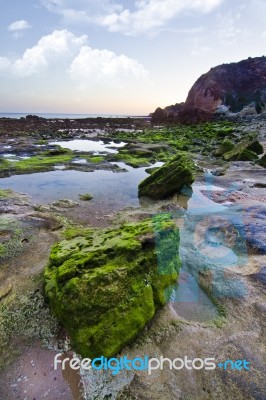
(169, 179)
(246, 150)
(105, 285)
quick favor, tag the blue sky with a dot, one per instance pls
(120, 57)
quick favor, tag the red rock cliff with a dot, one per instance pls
(234, 85)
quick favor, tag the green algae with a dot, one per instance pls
(224, 147)
(5, 193)
(133, 160)
(169, 179)
(105, 285)
(86, 197)
(95, 159)
(11, 234)
(182, 137)
(43, 162)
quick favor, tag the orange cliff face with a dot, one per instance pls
(234, 85)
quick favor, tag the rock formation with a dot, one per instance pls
(168, 179)
(105, 285)
(227, 87)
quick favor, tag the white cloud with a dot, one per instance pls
(65, 55)
(264, 34)
(104, 67)
(57, 45)
(153, 14)
(20, 25)
(4, 63)
(229, 31)
(145, 16)
(80, 10)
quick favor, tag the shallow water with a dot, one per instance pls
(94, 146)
(116, 190)
(110, 189)
(188, 300)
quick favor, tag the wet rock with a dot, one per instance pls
(169, 179)
(86, 197)
(105, 285)
(64, 203)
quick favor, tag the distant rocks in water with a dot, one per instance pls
(168, 179)
(228, 88)
(106, 285)
(33, 118)
(86, 197)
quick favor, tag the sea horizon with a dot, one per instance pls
(18, 115)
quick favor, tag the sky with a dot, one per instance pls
(118, 56)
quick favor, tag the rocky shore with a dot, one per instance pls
(112, 250)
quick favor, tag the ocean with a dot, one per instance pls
(63, 116)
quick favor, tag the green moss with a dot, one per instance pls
(2, 249)
(4, 193)
(256, 147)
(247, 155)
(43, 162)
(95, 159)
(132, 160)
(42, 141)
(105, 285)
(12, 233)
(224, 147)
(86, 196)
(169, 179)
(56, 151)
(120, 325)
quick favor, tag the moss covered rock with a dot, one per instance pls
(105, 285)
(256, 146)
(224, 147)
(262, 161)
(168, 179)
(246, 150)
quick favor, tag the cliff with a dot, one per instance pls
(227, 87)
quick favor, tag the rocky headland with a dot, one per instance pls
(226, 89)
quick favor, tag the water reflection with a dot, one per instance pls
(95, 146)
(110, 189)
